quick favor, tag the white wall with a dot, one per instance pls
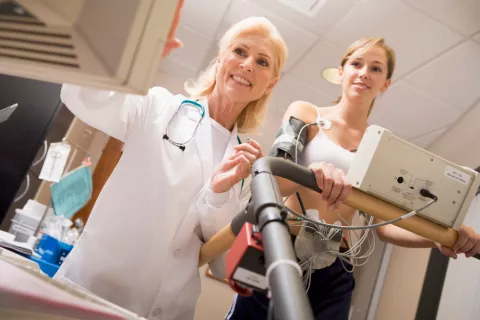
(215, 299)
(461, 292)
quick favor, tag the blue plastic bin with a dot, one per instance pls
(52, 252)
(49, 248)
(49, 269)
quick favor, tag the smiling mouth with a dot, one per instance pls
(241, 80)
(361, 85)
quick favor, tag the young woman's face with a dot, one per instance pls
(245, 71)
(364, 75)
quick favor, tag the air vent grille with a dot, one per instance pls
(23, 37)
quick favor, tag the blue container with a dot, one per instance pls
(52, 252)
(49, 248)
(48, 268)
(65, 249)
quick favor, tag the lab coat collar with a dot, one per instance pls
(203, 139)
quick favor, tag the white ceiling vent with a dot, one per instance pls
(110, 44)
(307, 7)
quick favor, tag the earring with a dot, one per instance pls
(265, 93)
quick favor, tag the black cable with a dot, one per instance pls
(301, 204)
(312, 228)
(427, 194)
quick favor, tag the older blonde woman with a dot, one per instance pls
(141, 244)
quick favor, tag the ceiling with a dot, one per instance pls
(437, 43)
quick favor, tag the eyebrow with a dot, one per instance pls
(375, 61)
(260, 54)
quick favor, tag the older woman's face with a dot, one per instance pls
(246, 71)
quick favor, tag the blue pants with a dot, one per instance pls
(330, 294)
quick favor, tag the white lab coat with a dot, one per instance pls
(140, 247)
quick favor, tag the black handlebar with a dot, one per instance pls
(288, 170)
(287, 290)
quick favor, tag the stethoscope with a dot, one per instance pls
(185, 104)
(201, 111)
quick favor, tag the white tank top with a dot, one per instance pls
(322, 149)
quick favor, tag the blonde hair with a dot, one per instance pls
(252, 116)
(365, 44)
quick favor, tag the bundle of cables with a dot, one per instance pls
(317, 244)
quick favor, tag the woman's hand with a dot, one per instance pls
(335, 187)
(237, 167)
(468, 242)
(172, 42)
(251, 149)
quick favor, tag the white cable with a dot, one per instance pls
(24, 191)
(354, 259)
(27, 187)
(355, 249)
(357, 245)
(360, 227)
(353, 252)
(356, 252)
(45, 147)
(276, 263)
(351, 256)
(298, 137)
(306, 266)
(308, 274)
